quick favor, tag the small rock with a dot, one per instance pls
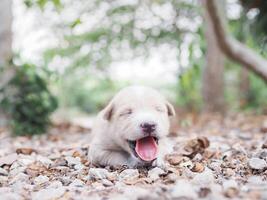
(230, 184)
(48, 194)
(98, 173)
(11, 196)
(3, 180)
(216, 166)
(77, 183)
(72, 161)
(8, 160)
(79, 167)
(59, 162)
(44, 160)
(106, 182)
(204, 179)
(3, 172)
(155, 173)
(137, 193)
(255, 180)
(40, 180)
(129, 174)
(183, 189)
(55, 184)
(25, 161)
(257, 163)
(188, 164)
(65, 180)
(20, 177)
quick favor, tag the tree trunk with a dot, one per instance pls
(212, 77)
(5, 31)
(231, 47)
(5, 46)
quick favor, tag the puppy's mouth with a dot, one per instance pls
(145, 148)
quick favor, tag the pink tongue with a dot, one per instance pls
(146, 148)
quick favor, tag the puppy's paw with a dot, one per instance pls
(132, 162)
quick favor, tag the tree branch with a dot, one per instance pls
(232, 48)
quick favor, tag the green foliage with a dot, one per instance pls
(88, 94)
(189, 89)
(42, 3)
(257, 94)
(28, 101)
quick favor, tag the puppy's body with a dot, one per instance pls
(131, 129)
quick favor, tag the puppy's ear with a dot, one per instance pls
(108, 111)
(170, 109)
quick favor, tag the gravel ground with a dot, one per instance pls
(212, 158)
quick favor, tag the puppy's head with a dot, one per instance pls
(138, 117)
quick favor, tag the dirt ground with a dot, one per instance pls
(213, 158)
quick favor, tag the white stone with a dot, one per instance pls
(155, 173)
(129, 174)
(55, 184)
(77, 183)
(228, 184)
(48, 194)
(3, 172)
(106, 182)
(183, 189)
(257, 163)
(204, 179)
(11, 196)
(98, 173)
(46, 161)
(79, 167)
(40, 180)
(9, 159)
(73, 160)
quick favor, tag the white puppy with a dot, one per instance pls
(131, 128)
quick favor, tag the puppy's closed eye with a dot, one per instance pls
(126, 112)
(159, 109)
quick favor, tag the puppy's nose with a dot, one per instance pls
(148, 127)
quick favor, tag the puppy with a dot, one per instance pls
(131, 129)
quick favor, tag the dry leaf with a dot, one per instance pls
(174, 159)
(198, 167)
(26, 151)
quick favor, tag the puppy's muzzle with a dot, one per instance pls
(148, 127)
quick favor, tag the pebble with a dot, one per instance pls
(79, 167)
(204, 179)
(183, 190)
(48, 194)
(77, 183)
(11, 196)
(8, 160)
(227, 184)
(46, 161)
(129, 174)
(55, 184)
(41, 179)
(98, 173)
(257, 163)
(73, 161)
(3, 172)
(106, 182)
(155, 173)
(216, 166)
